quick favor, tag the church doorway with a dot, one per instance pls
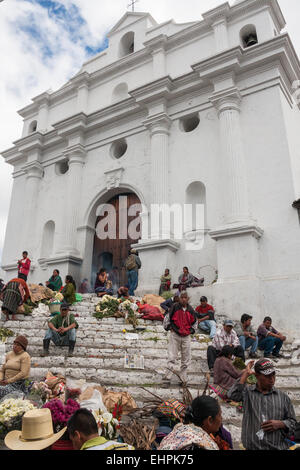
(110, 253)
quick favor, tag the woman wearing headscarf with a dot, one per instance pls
(16, 368)
(203, 422)
(13, 295)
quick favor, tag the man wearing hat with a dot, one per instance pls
(269, 416)
(62, 330)
(37, 432)
(224, 337)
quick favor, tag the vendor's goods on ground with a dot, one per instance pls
(11, 412)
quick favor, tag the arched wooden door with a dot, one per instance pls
(110, 254)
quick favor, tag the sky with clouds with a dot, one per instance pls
(43, 43)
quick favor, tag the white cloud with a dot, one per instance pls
(26, 71)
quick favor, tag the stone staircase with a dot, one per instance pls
(99, 358)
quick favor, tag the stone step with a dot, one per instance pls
(115, 358)
(92, 371)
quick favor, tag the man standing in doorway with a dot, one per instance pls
(132, 266)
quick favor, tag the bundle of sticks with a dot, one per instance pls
(138, 435)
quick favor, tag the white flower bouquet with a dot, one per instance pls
(106, 307)
(11, 413)
(107, 425)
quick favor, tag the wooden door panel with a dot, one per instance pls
(118, 248)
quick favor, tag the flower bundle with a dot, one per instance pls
(60, 412)
(41, 389)
(5, 333)
(57, 298)
(107, 307)
(11, 413)
(129, 309)
(108, 426)
(117, 410)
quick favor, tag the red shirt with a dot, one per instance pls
(203, 311)
(24, 266)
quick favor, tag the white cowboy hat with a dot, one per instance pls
(37, 432)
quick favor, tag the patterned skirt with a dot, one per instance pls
(11, 298)
(14, 387)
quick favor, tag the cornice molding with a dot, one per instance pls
(153, 91)
(237, 230)
(157, 245)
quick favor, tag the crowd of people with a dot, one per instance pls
(269, 418)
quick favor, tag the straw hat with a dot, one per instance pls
(37, 432)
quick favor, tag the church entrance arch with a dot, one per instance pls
(110, 252)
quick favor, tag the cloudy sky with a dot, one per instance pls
(43, 43)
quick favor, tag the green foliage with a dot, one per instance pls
(239, 363)
(5, 333)
(167, 294)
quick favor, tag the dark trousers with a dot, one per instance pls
(270, 344)
(213, 353)
(22, 276)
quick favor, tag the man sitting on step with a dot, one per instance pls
(270, 340)
(62, 330)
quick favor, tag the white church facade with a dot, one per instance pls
(199, 113)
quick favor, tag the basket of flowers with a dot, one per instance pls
(11, 413)
(54, 304)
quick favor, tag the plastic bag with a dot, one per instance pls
(94, 403)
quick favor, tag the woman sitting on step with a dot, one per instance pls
(16, 368)
(225, 374)
(13, 295)
(103, 285)
(202, 429)
(69, 291)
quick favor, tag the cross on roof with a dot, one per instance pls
(133, 2)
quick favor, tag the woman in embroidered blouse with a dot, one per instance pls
(203, 421)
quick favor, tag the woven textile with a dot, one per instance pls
(172, 408)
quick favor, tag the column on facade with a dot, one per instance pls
(34, 174)
(159, 127)
(82, 98)
(42, 121)
(221, 34)
(236, 197)
(156, 47)
(81, 82)
(240, 232)
(76, 158)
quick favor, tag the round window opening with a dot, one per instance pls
(62, 167)
(119, 148)
(189, 123)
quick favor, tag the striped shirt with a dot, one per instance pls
(222, 338)
(275, 405)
